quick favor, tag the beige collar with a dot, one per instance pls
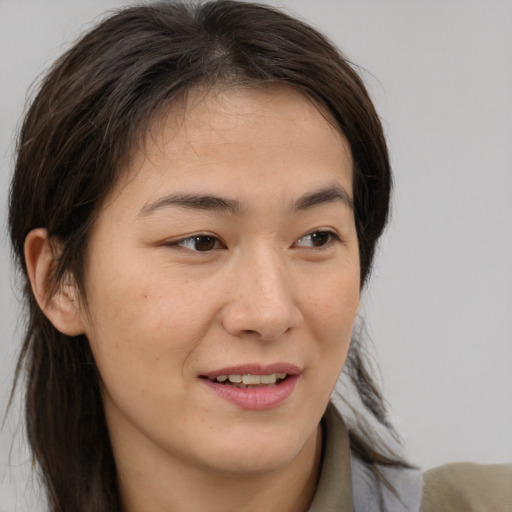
(334, 489)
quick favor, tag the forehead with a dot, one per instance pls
(219, 139)
(217, 121)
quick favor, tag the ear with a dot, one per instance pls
(61, 306)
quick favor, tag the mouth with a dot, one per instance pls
(253, 375)
(253, 386)
(249, 380)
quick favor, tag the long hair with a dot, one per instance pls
(92, 109)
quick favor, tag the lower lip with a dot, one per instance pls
(255, 398)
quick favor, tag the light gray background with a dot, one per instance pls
(439, 307)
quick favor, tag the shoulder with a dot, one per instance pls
(468, 487)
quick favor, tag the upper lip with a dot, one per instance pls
(255, 369)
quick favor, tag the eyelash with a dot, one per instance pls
(209, 239)
(213, 242)
(332, 237)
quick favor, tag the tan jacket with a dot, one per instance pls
(468, 487)
(345, 484)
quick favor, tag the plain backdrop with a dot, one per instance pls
(439, 307)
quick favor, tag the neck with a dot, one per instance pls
(177, 487)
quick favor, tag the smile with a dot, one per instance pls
(249, 381)
(254, 386)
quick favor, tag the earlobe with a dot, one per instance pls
(60, 305)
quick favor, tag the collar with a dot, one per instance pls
(334, 488)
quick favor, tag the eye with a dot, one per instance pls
(317, 239)
(199, 243)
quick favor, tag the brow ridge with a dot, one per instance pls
(196, 202)
(329, 194)
(207, 202)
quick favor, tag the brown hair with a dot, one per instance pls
(92, 108)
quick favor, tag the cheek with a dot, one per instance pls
(144, 336)
(333, 303)
(332, 308)
(143, 320)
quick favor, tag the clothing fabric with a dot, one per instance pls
(468, 487)
(347, 485)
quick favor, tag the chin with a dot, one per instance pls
(261, 452)
(255, 462)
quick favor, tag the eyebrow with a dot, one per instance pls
(203, 202)
(322, 196)
(207, 202)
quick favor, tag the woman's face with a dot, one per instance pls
(227, 253)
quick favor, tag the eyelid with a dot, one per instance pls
(335, 238)
(180, 242)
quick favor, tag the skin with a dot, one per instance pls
(161, 313)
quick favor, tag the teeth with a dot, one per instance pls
(253, 380)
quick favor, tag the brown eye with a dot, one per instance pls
(320, 238)
(204, 243)
(317, 239)
(199, 243)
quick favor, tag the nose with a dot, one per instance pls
(262, 301)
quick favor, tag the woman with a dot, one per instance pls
(197, 197)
